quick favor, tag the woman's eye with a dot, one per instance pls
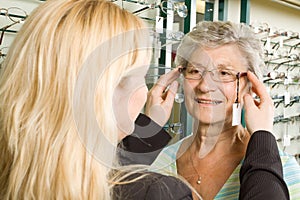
(193, 71)
(225, 73)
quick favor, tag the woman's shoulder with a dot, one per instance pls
(152, 185)
(291, 173)
(287, 159)
(166, 160)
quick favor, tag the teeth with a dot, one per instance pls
(208, 102)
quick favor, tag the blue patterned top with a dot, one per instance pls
(166, 163)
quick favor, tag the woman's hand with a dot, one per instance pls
(161, 97)
(259, 115)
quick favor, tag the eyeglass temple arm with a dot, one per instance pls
(8, 26)
(4, 29)
(238, 76)
(241, 74)
(14, 15)
(180, 69)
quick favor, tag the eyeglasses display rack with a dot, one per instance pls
(281, 76)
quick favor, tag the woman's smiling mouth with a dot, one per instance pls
(207, 101)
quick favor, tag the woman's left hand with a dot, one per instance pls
(161, 97)
(258, 114)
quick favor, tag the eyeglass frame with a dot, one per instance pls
(22, 19)
(175, 7)
(10, 16)
(237, 75)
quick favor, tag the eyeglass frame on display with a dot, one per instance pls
(175, 6)
(10, 17)
(2, 55)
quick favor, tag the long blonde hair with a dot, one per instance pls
(42, 155)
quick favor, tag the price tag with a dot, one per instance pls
(287, 98)
(157, 50)
(268, 45)
(286, 81)
(236, 114)
(159, 24)
(281, 42)
(268, 90)
(286, 140)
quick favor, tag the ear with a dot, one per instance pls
(246, 90)
(249, 85)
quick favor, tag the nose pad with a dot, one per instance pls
(203, 74)
(206, 83)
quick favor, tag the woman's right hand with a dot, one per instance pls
(259, 115)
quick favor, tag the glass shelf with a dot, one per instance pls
(280, 82)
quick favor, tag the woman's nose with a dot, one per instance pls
(206, 83)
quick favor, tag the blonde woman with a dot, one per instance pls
(72, 86)
(43, 155)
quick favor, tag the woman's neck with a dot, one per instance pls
(220, 138)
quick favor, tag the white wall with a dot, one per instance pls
(275, 14)
(234, 7)
(267, 11)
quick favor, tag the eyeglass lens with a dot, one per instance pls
(216, 74)
(181, 9)
(16, 14)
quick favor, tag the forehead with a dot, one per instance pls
(227, 55)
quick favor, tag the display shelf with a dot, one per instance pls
(286, 41)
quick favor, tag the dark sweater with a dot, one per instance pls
(261, 175)
(153, 186)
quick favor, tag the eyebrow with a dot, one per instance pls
(219, 66)
(192, 64)
(225, 66)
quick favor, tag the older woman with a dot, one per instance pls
(214, 57)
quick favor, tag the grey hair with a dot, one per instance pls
(208, 34)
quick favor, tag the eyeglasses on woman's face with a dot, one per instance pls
(222, 75)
